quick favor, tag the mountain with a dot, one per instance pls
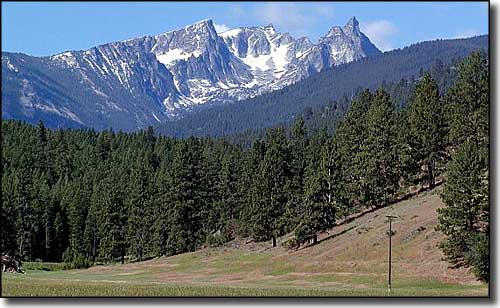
(154, 79)
(331, 85)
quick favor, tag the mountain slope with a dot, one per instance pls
(335, 84)
(153, 79)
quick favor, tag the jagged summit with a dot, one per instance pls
(205, 23)
(335, 30)
(352, 23)
(269, 27)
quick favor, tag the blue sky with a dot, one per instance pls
(45, 28)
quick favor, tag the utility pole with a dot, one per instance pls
(390, 247)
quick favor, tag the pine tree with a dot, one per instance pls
(426, 127)
(349, 137)
(111, 219)
(319, 199)
(465, 194)
(160, 203)
(77, 202)
(139, 203)
(468, 101)
(379, 170)
(228, 199)
(248, 187)
(271, 185)
(8, 226)
(297, 148)
(187, 198)
(25, 215)
(91, 233)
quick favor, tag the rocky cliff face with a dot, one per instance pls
(143, 81)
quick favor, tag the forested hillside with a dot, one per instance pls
(83, 196)
(329, 116)
(329, 86)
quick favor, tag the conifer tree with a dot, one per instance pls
(468, 101)
(25, 218)
(380, 174)
(465, 217)
(187, 193)
(138, 205)
(228, 197)
(349, 137)
(160, 204)
(77, 201)
(297, 148)
(111, 219)
(319, 199)
(426, 127)
(8, 226)
(271, 184)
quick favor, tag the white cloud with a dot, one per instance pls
(292, 17)
(283, 15)
(380, 33)
(236, 11)
(297, 18)
(466, 33)
(221, 28)
(323, 10)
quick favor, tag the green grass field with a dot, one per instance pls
(25, 285)
(350, 261)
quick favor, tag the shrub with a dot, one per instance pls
(478, 255)
(74, 259)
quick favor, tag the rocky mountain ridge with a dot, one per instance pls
(142, 81)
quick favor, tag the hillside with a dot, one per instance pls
(351, 260)
(336, 84)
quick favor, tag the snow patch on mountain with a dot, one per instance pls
(172, 56)
(67, 58)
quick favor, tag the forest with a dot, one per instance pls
(86, 197)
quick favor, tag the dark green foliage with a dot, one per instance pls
(271, 188)
(478, 255)
(465, 218)
(379, 166)
(466, 197)
(426, 128)
(188, 203)
(468, 101)
(318, 206)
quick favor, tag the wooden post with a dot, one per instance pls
(390, 251)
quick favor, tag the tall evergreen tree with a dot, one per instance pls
(297, 165)
(271, 184)
(468, 101)
(349, 137)
(426, 127)
(139, 213)
(319, 199)
(465, 216)
(111, 219)
(380, 174)
(187, 195)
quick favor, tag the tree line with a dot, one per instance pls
(82, 196)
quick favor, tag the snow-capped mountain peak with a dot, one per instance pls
(163, 76)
